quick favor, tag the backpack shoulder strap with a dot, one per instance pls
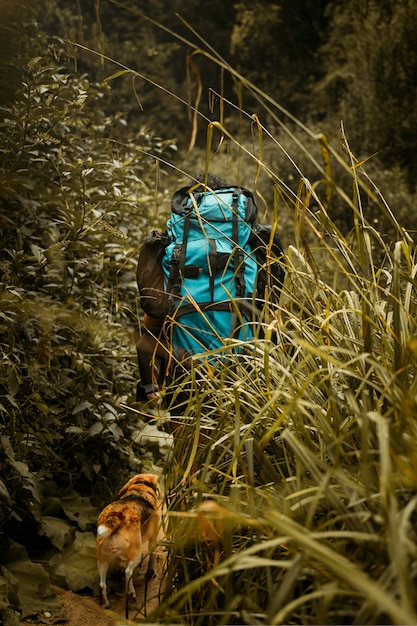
(267, 248)
(177, 264)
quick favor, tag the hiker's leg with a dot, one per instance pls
(149, 345)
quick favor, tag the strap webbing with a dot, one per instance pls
(238, 254)
(176, 275)
(212, 268)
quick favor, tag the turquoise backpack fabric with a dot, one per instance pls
(209, 269)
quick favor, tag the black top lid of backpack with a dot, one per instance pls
(180, 205)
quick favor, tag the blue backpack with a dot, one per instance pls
(209, 271)
(209, 274)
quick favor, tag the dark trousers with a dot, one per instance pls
(153, 354)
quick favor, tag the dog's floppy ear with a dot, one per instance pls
(154, 483)
(150, 480)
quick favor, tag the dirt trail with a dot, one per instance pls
(84, 610)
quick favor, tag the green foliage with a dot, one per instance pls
(74, 206)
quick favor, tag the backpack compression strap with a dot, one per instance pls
(238, 261)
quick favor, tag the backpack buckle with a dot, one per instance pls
(176, 254)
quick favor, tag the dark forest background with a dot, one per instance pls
(327, 64)
(323, 61)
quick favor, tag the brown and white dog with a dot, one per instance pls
(125, 526)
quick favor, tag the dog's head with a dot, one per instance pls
(142, 484)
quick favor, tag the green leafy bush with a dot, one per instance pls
(75, 203)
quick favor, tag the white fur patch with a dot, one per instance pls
(102, 531)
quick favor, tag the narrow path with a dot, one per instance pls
(84, 610)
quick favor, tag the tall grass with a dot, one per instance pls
(307, 441)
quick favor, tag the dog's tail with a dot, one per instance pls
(113, 522)
(103, 531)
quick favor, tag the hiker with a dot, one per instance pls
(206, 278)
